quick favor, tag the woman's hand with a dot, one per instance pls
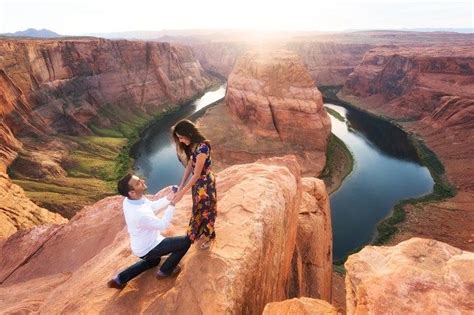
(178, 196)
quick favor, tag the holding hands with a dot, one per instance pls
(178, 196)
(175, 195)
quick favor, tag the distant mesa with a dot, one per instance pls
(31, 32)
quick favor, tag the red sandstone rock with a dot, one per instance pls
(59, 86)
(248, 266)
(272, 98)
(18, 212)
(409, 82)
(301, 306)
(313, 253)
(418, 276)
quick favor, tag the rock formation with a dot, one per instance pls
(409, 82)
(65, 268)
(52, 88)
(18, 212)
(273, 94)
(418, 276)
(273, 108)
(301, 306)
(429, 91)
(313, 253)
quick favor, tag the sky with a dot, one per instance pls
(80, 17)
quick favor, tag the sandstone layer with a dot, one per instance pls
(51, 90)
(418, 276)
(272, 108)
(313, 253)
(428, 91)
(65, 268)
(301, 306)
(17, 212)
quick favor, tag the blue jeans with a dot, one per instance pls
(177, 246)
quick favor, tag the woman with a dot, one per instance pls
(197, 151)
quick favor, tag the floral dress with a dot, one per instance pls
(204, 198)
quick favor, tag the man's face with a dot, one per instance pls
(138, 187)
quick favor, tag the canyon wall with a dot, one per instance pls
(60, 86)
(329, 63)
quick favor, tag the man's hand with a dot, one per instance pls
(170, 196)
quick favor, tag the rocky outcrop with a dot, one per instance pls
(273, 94)
(273, 108)
(429, 91)
(418, 276)
(248, 267)
(301, 306)
(313, 253)
(52, 88)
(17, 212)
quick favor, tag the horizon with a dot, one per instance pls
(264, 16)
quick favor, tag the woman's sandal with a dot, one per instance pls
(207, 244)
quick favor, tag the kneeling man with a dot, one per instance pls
(144, 230)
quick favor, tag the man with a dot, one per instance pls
(144, 230)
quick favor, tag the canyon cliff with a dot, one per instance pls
(59, 86)
(63, 268)
(272, 108)
(55, 95)
(429, 92)
(329, 58)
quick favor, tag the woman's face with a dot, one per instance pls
(183, 139)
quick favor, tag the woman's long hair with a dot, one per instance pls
(188, 129)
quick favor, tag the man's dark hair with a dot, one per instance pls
(123, 187)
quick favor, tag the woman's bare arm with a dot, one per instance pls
(200, 160)
(186, 174)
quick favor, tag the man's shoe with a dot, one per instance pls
(162, 275)
(113, 283)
